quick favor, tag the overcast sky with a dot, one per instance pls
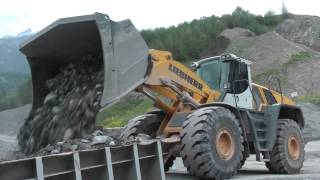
(19, 15)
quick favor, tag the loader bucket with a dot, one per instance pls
(124, 52)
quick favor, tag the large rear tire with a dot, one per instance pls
(212, 143)
(146, 124)
(287, 155)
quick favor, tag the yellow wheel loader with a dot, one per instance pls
(213, 109)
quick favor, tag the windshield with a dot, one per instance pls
(212, 73)
(224, 75)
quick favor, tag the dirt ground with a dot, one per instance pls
(10, 122)
(256, 170)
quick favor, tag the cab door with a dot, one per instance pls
(238, 86)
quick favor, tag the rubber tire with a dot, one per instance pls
(147, 124)
(280, 161)
(198, 140)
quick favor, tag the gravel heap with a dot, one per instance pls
(311, 113)
(96, 140)
(69, 110)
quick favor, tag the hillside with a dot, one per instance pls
(10, 82)
(14, 72)
(296, 65)
(302, 29)
(274, 55)
(187, 40)
(11, 59)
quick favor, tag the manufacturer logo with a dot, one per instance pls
(185, 76)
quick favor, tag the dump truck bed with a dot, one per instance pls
(69, 165)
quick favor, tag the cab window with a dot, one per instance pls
(270, 98)
(210, 72)
(257, 96)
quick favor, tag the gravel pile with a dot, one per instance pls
(311, 113)
(69, 110)
(96, 140)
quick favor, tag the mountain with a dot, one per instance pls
(290, 53)
(11, 59)
(27, 32)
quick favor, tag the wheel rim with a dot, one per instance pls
(225, 144)
(293, 147)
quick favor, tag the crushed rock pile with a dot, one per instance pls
(311, 113)
(98, 139)
(69, 110)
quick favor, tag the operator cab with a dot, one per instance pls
(229, 75)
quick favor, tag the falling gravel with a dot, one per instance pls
(69, 109)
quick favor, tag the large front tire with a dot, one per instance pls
(287, 155)
(212, 143)
(146, 124)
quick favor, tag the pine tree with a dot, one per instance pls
(284, 11)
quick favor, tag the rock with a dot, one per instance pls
(67, 147)
(67, 134)
(56, 151)
(56, 109)
(85, 146)
(99, 86)
(74, 147)
(112, 143)
(97, 133)
(60, 143)
(144, 139)
(55, 118)
(301, 29)
(49, 148)
(143, 136)
(101, 140)
(69, 109)
(84, 140)
(50, 97)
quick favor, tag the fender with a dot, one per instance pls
(285, 111)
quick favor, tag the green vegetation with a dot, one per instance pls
(262, 76)
(299, 57)
(271, 78)
(18, 96)
(119, 114)
(312, 98)
(187, 40)
(10, 82)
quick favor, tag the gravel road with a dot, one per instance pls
(10, 122)
(253, 170)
